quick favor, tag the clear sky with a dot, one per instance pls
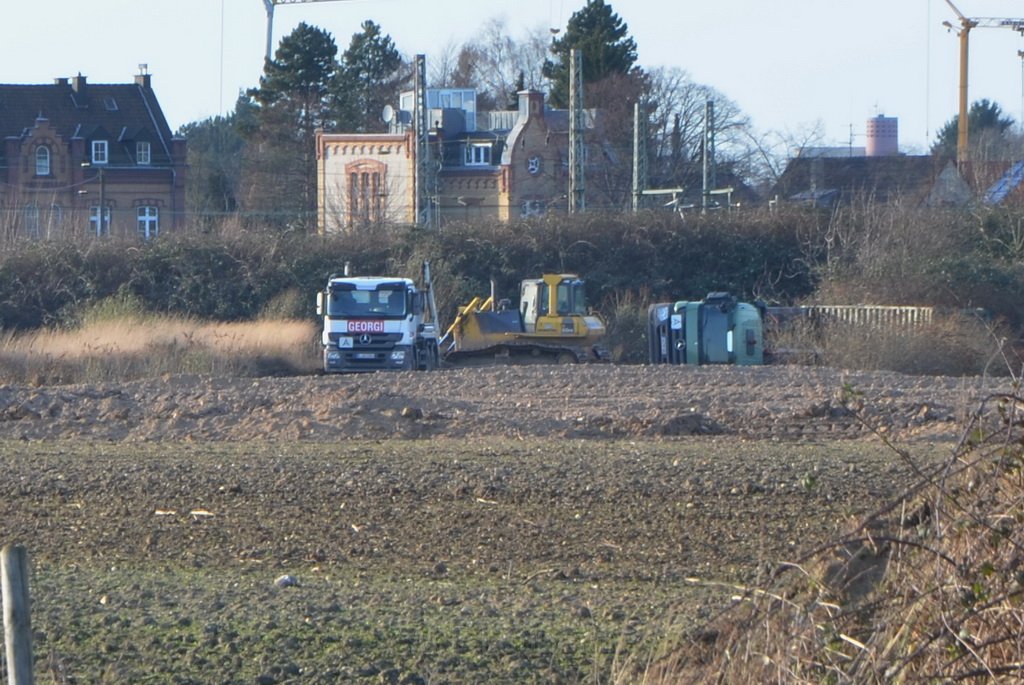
(788, 64)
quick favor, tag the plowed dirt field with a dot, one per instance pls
(498, 525)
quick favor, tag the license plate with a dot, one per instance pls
(345, 342)
(365, 355)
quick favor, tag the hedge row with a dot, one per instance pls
(777, 256)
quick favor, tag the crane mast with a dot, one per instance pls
(966, 24)
(269, 6)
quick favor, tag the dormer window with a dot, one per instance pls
(478, 154)
(99, 152)
(42, 161)
(142, 153)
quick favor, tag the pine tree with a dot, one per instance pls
(214, 160)
(295, 98)
(371, 75)
(606, 48)
(986, 125)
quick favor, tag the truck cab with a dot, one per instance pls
(716, 330)
(373, 324)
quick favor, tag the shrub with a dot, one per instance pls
(626, 320)
(926, 589)
(955, 345)
(863, 253)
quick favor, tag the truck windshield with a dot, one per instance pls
(350, 303)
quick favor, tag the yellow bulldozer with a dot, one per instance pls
(551, 325)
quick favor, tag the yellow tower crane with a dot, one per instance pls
(966, 24)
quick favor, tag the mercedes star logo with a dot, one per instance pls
(364, 339)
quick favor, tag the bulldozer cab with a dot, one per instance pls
(549, 297)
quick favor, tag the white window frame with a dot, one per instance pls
(143, 153)
(100, 152)
(148, 221)
(94, 221)
(42, 160)
(478, 154)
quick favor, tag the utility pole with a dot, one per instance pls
(708, 156)
(639, 153)
(1020, 53)
(577, 193)
(104, 225)
(424, 179)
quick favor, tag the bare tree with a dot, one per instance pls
(773, 150)
(443, 64)
(676, 109)
(495, 63)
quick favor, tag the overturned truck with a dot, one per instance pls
(716, 330)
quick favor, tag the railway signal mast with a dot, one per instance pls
(966, 24)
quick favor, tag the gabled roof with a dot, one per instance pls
(886, 179)
(114, 109)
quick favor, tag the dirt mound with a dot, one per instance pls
(785, 402)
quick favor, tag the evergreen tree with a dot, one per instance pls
(371, 75)
(295, 97)
(215, 150)
(300, 78)
(987, 127)
(604, 42)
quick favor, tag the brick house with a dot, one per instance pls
(490, 165)
(72, 147)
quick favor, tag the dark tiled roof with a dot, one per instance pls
(120, 113)
(886, 179)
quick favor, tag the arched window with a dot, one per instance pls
(42, 161)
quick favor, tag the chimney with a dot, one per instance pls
(531, 104)
(142, 78)
(60, 81)
(78, 83)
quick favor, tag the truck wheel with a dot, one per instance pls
(566, 358)
(426, 359)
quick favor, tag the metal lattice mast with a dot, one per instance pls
(577, 193)
(639, 154)
(709, 153)
(424, 170)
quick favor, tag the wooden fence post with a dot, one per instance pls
(17, 623)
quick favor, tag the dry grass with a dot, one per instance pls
(929, 588)
(130, 346)
(953, 345)
(625, 315)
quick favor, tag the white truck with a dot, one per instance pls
(375, 323)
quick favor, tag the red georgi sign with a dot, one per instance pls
(365, 326)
